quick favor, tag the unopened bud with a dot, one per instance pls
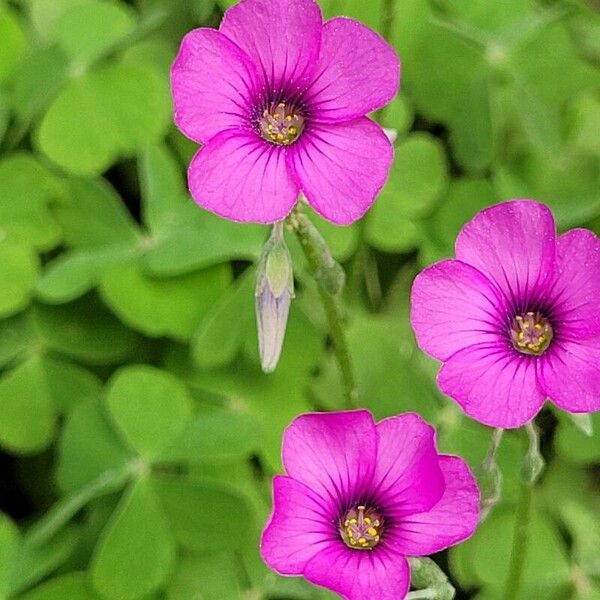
(533, 463)
(430, 580)
(274, 293)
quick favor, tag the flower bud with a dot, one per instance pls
(274, 293)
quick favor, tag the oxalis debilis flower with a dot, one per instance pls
(277, 98)
(359, 497)
(516, 317)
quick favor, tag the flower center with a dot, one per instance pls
(281, 124)
(361, 527)
(531, 333)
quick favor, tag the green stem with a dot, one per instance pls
(533, 464)
(64, 510)
(319, 260)
(520, 540)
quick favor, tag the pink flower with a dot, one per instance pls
(278, 98)
(359, 497)
(516, 317)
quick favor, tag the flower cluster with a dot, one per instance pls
(278, 99)
(359, 497)
(515, 318)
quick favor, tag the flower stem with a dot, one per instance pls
(330, 280)
(533, 465)
(520, 541)
(489, 476)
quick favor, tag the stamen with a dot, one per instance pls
(361, 528)
(531, 333)
(281, 124)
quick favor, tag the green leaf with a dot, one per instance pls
(34, 562)
(19, 267)
(487, 553)
(12, 43)
(224, 522)
(194, 239)
(163, 307)
(473, 133)
(573, 444)
(102, 115)
(73, 274)
(10, 539)
(85, 330)
(195, 573)
(94, 215)
(135, 552)
(16, 336)
(73, 586)
(220, 333)
(88, 446)
(149, 407)
(584, 527)
(28, 415)
(163, 189)
(45, 14)
(24, 213)
(218, 436)
(465, 198)
(87, 31)
(41, 75)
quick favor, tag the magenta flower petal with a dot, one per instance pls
(283, 38)
(332, 453)
(357, 73)
(299, 529)
(570, 375)
(408, 477)
(356, 575)
(576, 291)
(240, 178)
(454, 306)
(452, 520)
(212, 82)
(514, 244)
(353, 494)
(493, 384)
(341, 167)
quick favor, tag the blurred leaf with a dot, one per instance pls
(575, 445)
(569, 186)
(86, 31)
(95, 215)
(104, 114)
(73, 274)
(149, 407)
(217, 436)
(45, 14)
(163, 189)
(25, 190)
(221, 331)
(195, 573)
(41, 75)
(28, 415)
(585, 529)
(586, 121)
(135, 552)
(72, 586)
(473, 133)
(12, 42)
(195, 239)
(19, 267)
(486, 555)
(15, 337)
(85, 330)
(10, 539)
(224, 523)
(163, 307)
(88, 446)
(398, 114)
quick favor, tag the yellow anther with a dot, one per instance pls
(372, 531)
(293, 130)
(368, 520)
(362, 541)
(288, 118)
(353, 521)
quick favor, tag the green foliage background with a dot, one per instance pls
(138, 434)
